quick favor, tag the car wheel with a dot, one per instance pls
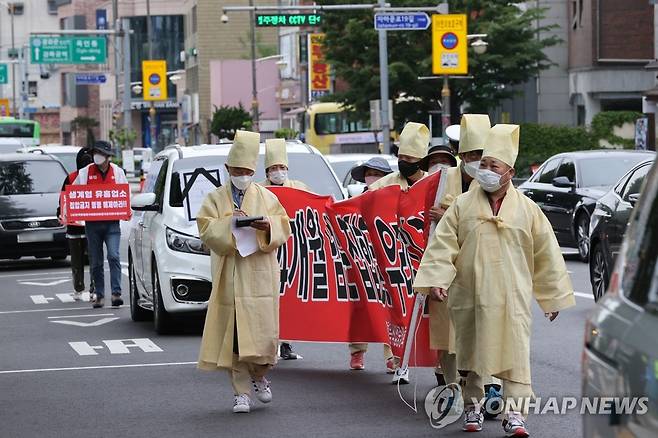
(598, 272)
(161, 318)
(137, 313)
(582, 237)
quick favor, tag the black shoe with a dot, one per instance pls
(117, 300)
(286, 352)
(99, 302)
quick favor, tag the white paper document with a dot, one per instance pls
(245, 239)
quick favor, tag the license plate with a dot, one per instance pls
(36, 236)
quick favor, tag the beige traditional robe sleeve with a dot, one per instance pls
(551, 283)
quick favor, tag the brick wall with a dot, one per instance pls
(625, 29)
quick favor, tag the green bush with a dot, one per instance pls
(286, 133)
(604, 122)
(226, 120)
(540, 142)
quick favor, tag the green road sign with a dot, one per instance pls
(68, 50)
(3, 74)
(283, 20)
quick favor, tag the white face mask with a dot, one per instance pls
(242, 182)
(489, 180)
(437, 167)
(278, 177)
(372, 179)
(99, 159)
(471, 168)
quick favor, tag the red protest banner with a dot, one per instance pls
(347, 270)
(97, 202)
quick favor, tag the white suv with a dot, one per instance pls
(169, 267)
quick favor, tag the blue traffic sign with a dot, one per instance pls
(90, 78)
(449, 40)
(402, 21)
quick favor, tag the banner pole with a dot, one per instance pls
(419, 302)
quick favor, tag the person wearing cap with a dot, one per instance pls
(414, 140)
(491, 253)
(102, 171)
(276, 166)
(241, 332)
(371, 171)
(75, 232)
(276, 171)
(473, 130)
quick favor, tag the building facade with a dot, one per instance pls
(610, 43)
(42, 97)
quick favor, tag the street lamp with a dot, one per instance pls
(479, 46)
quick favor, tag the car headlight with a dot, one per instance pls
(184, 243)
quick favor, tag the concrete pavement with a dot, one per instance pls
(69, 371)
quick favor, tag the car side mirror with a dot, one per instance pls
(144, 202)
(633, 198)
(563, 182)
(355, 189)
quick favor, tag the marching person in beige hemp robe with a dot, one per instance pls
(414, 140)
(491, 253)
(473, 132)
(276, 171)
(241, 332)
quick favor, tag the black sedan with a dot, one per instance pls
(608, 225)
(29, 194)
(567, 186)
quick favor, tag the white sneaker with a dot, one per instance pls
(77, 296)
(241, 404)
(262, 390)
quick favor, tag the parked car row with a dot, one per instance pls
(169, 267)
(567, 186)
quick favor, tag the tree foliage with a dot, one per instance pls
(226, 120)
(514, 55)
(85, 124)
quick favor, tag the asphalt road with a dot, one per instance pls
(67, 370)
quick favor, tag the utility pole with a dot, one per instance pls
(254, 89)
(116, 26)
(127, 110)
(10, 9)
(149, 36)
(25, 82)
(445, 108)
(383, 84)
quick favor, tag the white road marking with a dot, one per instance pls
(584, 295)
(7, 312)
(48, 283)
(99, 367)
(116, 346)
(85, 324)
(92, 315)
(33, 275)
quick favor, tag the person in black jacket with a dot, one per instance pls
(75, 233)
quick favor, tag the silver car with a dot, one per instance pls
(621, 340)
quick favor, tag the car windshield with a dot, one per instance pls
(28, 177)
(342, 167)
(606, 171)
(311, 169)
(67, 159)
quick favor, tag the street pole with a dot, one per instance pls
(383, 69)
(25, 82)
(127, 110)
(254, 89)
(149, 36)
(10, 9)
(115, 17)
(445, 108)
